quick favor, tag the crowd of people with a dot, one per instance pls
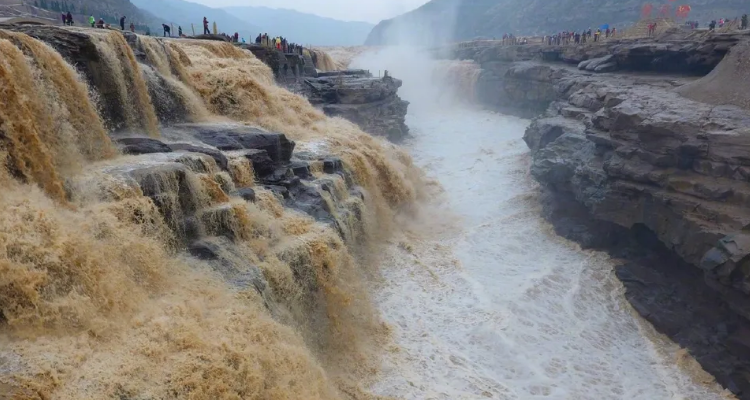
(725, 21)
(584, 36)
(279, 43)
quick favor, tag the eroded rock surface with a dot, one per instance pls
(637, 155)
(372, 103)
(629, 165)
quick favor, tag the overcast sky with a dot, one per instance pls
(350, 10)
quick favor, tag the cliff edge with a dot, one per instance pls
(632, 163)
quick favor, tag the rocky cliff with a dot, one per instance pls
(372, 103)
(661, 181)
(449, 20)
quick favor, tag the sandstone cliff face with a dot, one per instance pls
(464, 19)
(629, 165)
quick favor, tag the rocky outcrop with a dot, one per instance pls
(625, 158)
(629, 165)
(685, 54)
(372, 103)
(285, 67)
(164, 170)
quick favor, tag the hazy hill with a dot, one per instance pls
(183, 13)
(304, 28)
(468, 19)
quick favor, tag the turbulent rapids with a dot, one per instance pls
(176, 225)
(174, 275)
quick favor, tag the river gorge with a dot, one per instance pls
(189, 218)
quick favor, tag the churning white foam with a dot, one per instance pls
(486, 302)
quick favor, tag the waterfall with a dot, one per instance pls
(148, 276)
(131, 89)
(459, 78)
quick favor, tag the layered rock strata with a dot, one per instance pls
(372, 103)
(629, 165)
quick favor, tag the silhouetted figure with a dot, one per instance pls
(132, 27)
(64, 18)
(167, 30)
(100, 23)
(743, 26)
(122, 23)
(179, 31)
(205, 26)
(69, 17)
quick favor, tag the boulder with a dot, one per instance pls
(141, 145)
(238, 137)
(227, 259)
(248, 194)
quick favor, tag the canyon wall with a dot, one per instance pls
(628, 164)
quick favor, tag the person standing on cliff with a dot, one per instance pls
(179, 31)
(69, 17)
(92, 21)
(167, 30)
(132, 27)
(744, 22)
(205, 26)
(122, 23)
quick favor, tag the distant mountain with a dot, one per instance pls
(183, 13)
(304, 28)
(450, 20)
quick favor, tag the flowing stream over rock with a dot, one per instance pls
(484, 299)
(178, 271)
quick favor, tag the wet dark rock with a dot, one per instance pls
(218, 156)
(278, 190)
(247, 193)
(226, 259)
(301, 169)
(285, 67)
(140, 145)
(333, 165)
(263, 165)
(238, 137)
(307, 198)
(372, 103)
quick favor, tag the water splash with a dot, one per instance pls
(100, 299)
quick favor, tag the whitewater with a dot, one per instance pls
(484, 300)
